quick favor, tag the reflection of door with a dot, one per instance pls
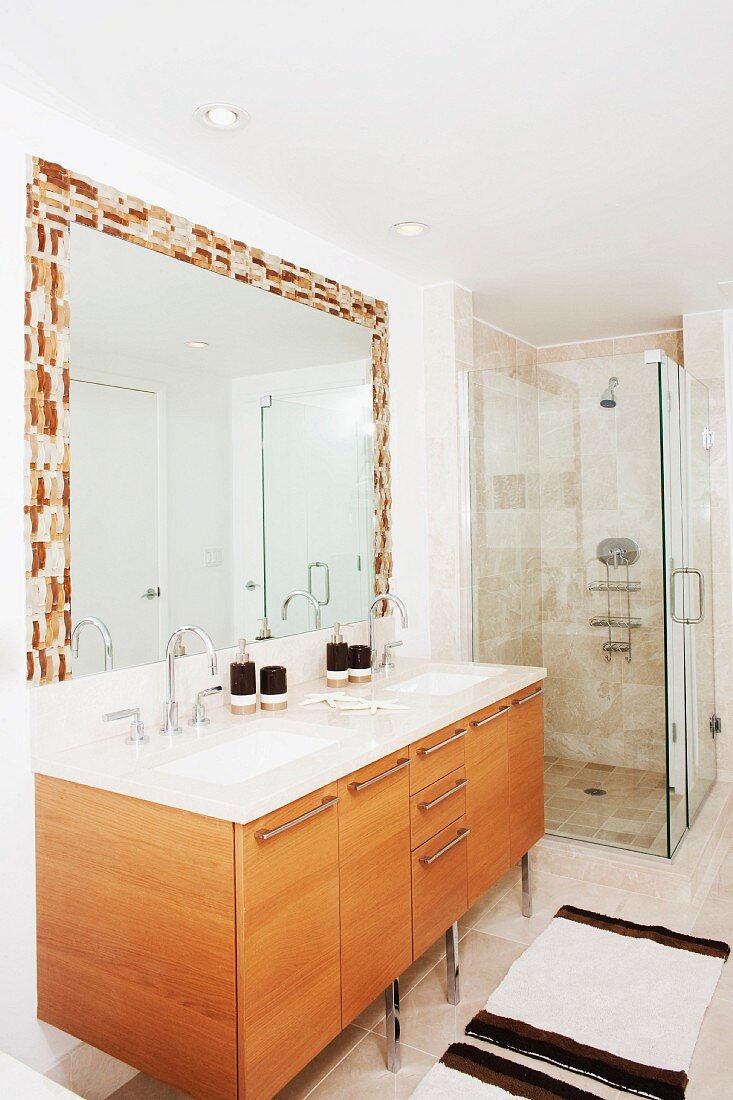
(318, 493)
(688, 539)
(114, 521)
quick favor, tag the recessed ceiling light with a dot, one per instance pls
(221, 116)
(196, 344)
(410, 229)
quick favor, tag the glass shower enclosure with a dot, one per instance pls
(590, 519)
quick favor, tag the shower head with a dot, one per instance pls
(608, 400)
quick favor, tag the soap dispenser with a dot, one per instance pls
(337, 659)
(243, 682)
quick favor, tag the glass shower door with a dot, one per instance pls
(688, 553)
(696, 587)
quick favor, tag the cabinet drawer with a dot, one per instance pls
(374, 858)
(439, 885)
(289, 940)
(435, 807)
(436, 755)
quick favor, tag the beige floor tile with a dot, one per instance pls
(302, 1085)
(550, 892)
(364, 1074)
(488, 900)
(715, 921)
(677, 915)
(711, 1072)
(143, 1087)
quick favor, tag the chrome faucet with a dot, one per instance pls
(387, 597)
(92, 620)
(306, 595)
(170, 715)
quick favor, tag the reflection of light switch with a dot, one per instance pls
(212, 557)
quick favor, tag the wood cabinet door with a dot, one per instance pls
(526, 771)
(136, 952)
(439, 884)
(288, 940)
(487, 799)
(374, 858)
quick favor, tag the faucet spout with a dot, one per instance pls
(306, 596)
(170, 715)
(92, 620)
(386, 597)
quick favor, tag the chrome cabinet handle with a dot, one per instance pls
(441, 744)
(327, 803)
(521, 702)
(701, 593)
(485, 721)
(320, 565)
(462, 834)
(382, 775)
(442, 797)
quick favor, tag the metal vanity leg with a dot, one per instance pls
(392, 1006)
(452, 965)
(526, 886)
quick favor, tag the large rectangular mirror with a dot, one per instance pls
(221, 456)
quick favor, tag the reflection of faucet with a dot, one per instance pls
(170, 715)
(388, 597)
(92, 620)
(306, 595)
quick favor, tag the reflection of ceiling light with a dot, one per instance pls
(221, 116)
(196, 344)
(410, 229)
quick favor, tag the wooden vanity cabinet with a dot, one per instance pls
(487, 797)
(288, 939)
(374, 860)
(135, 932)
(439, 884)
(526, 771)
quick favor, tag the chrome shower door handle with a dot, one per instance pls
(683, 619)
(320, 565)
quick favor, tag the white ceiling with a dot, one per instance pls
(129, 304)
(573, 157)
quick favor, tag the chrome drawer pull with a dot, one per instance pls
(441, 745)
(325, 805)
(521, 702)
(462, 834)
(382, 775)
(491, 717)
(442, 797)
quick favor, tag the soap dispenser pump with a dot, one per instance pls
(243, 682)
(337, 659)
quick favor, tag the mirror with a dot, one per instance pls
(221, 456)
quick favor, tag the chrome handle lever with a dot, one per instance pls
(267, 834)
(461, 835)
(137, 735)
(198, 714)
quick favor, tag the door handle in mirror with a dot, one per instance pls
(150, 594)
(320, 565)
(251, 585)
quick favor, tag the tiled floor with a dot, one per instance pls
(494, 934)
(631, 814)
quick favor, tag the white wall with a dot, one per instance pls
(28, 128)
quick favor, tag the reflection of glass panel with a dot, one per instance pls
(318, 493)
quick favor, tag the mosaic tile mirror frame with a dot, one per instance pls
(56, 199)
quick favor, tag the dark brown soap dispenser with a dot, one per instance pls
(337, 659)
(243, 682)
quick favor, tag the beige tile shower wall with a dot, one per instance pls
(705, 359)
(600, 477)
(505, 517)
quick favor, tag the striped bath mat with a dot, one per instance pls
(467, 1073)
(613, 1000)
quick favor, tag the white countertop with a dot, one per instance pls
(17, 1080)
(351, 741)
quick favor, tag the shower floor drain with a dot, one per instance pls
(596, 791)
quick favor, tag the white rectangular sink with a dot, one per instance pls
(262, 750)
(443, 683)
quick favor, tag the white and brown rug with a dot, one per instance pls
(613, 1000)
(467, 1073)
